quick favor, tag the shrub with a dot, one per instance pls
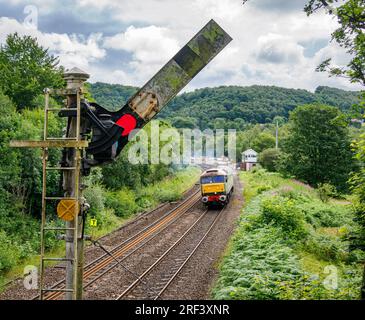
(123, 202)
(277, 226)
(259, 263)
(327, 247)
(263, 188)
(96, 198)
(326, 191)
(9, 253)
(321, 214)
(258, 171)
(284, 214)
(268, 158)
(292, 194)
(144, 202)
(356, 256)
(311, 287)
(106, 220)
(167, 195)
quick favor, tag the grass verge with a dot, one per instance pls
(289, 245)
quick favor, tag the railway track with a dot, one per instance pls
(105, 263)
(170, 264)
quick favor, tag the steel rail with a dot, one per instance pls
(146, 213)
(150, 231)
(157, 262)
(189, 257)
(133, 251)
(139, 232)
(142, 236)
(55, 294)
(136, 219)
(137, 238)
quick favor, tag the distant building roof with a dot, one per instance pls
(249, 151)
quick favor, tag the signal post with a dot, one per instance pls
(71, 205)
(72, 186)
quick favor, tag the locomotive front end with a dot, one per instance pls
(214, 189)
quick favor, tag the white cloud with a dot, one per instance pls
(148, 45)
(334, 51)
(269, 41)
(276, 48)
(151, 47)
(116, 76)
(226, 10)
(73, 50)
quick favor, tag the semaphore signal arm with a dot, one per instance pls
(110, 129)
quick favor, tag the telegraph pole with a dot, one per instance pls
(75, 79)
(277, 135)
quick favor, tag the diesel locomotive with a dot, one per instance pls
(216, 186)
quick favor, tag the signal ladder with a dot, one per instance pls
(71, 204)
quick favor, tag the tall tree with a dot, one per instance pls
(317, 149)
(350, 35)
(268, 158)
(263, 141)
(26, 69)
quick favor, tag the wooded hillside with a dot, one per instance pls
(229, 106)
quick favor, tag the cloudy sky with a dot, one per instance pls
(127, 41)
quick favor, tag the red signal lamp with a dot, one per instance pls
(127, 122)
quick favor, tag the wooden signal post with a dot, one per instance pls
(71, 204)
(75, 79)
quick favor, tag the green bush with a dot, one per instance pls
(268, 158)
(259, 262)
(321, 214)
(144, 202)
(263, 188)
(283, 213)
(309, 287)
(167, 195)
(292, 194)
(106, 221)
(123, 202)
(258, 171)
(327, 247)
(95, 196)
(9, 252)
(326, 191)
(356, 256)
(284, 240)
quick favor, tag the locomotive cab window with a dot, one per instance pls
(213, 179)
